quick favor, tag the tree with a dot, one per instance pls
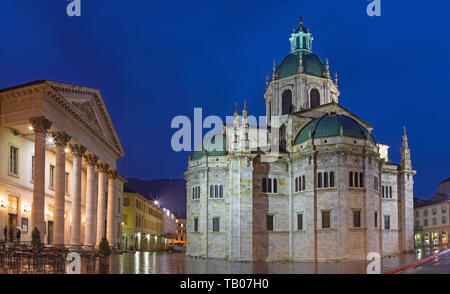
(36, 239)
(103, 247)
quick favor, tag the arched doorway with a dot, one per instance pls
(426, 239)
(314, 97)
(435, 238)
(286, 102)
(418, 240)
(444, 238)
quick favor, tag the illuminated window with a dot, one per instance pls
(13, 204)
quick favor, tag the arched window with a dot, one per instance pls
(325, 180)
(282, 138)
(221, 191)
(269, 188)
(264, 185)
(296, 184)
(304, 43)
(216, 194)
(319, 180)
(286, 102)
(275, 189)
(356, 179)
(314, 98)
(303, 183)
(350, 183)
(297, 43)
(361, 180)
(193, 192)
(331, 179)
(390, 191)
(211, 191)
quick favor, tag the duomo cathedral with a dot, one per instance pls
(327, 192)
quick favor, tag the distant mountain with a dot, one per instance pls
(171, 193)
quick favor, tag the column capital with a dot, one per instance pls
(112, 173)
(102, 167)
(91, 159)
(61, 138)
(40, 124)
(77, 149)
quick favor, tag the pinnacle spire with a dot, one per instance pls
(236, 113)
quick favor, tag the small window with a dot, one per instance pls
(66, 183)
(434, 221)
(275, 186)
(296, 184)
(52, 176)
(299, 221)
(332, 179)
(390, 191)
(216, 190)
(356, 218)
(387, 222)
(325, 180)
(434, 210)
(325, 219)
(425, 212)
(319, 180)
(375, 183)
(32, 168)
(382, 191)
(356, 180)
(221, 191)
(264, 185)
(314, 98)
(195, 224)
(361, 180)
(376, 219)
(425, 222)
(444, 209)
(444, 219)
(417, 223)
(13, 160)
(269, 187)
(303, 183)
(350, 183)
(126, 202)
(216, 224)
(269, 223)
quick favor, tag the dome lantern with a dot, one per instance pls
(301, 39)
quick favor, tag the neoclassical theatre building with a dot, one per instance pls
(330, 193)
(58, 153)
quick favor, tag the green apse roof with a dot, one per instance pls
(210, 141)
(330, 126)
(312, 65)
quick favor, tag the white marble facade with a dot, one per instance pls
(231, 216)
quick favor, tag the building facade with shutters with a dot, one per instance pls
(432, 218)
(58, 153)
(312, 186)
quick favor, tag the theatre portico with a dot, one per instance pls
(58, 153)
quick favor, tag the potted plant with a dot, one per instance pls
(105, 251)
(36, 240)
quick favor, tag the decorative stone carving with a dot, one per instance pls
(86, 108)
(40, 124)
(112, 173)
(91, 159)
(77, 149)
(102, 167)
(61, 138)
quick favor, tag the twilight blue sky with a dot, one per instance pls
(153, 60)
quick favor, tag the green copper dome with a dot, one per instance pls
(222, 152)
(312, 65)
(330, 126)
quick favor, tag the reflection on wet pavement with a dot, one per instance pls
(177, 263)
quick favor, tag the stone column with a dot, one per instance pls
(110, 229)
(91, 198)
(77, 153)
(61, 140)
(40, 126)
(102, 169)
